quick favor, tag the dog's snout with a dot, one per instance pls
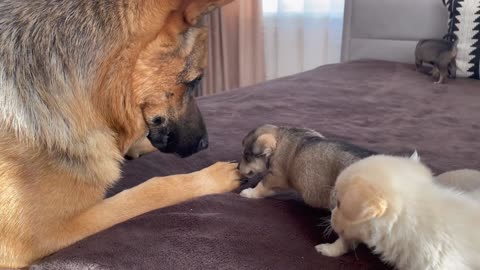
(202, 144)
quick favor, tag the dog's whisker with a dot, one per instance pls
(354, 248)
(325, 224)
(324, 221)
(328, 230)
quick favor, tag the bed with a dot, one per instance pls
(383, 105)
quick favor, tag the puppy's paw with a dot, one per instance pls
(330, 250)
(220, 177)
(250, 193)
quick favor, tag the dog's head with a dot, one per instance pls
(371, 193)
(358, 204)
(164, 82)
(258, 146)
(166, 74)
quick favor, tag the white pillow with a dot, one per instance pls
(464, 21)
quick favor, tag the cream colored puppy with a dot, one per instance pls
(395, 207)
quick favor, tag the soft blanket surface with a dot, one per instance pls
(384, 106)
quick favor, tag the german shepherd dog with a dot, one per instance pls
(82, 83)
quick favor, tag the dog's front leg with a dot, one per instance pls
(153, 194)
(266, 188)
(258, 192)
(452, 69)
(335, 249)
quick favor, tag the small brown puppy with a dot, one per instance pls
(295, 158)
(440, 53)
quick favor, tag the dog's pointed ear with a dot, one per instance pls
(362, 201)
(268, 143)
(415, 156)
(195, 9)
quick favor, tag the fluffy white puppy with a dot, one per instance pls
(395, 207)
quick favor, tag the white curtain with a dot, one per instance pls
(301, 34)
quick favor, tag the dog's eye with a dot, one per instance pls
(157, 120)
(338, 204)
(192, 84)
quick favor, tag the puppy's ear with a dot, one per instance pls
(195, 9)
(415, 156)
(268, 143)
(362, 201)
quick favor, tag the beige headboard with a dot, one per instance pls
(390, 29)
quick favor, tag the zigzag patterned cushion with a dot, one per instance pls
(464, 21)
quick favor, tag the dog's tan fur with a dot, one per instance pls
(53, 178)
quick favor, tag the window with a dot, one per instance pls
(331, 8)
(301, 34)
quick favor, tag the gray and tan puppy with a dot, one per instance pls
(440, 53)
(295, 158)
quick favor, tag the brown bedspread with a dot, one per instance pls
(384, 106)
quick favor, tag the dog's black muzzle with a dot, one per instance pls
(185, 136)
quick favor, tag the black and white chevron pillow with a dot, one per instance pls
(464, 21)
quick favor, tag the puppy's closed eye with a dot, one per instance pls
(338, 204)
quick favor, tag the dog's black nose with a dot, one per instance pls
(202, 144)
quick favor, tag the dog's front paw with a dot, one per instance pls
(250, 193)
(330, 250)
(221, 177)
